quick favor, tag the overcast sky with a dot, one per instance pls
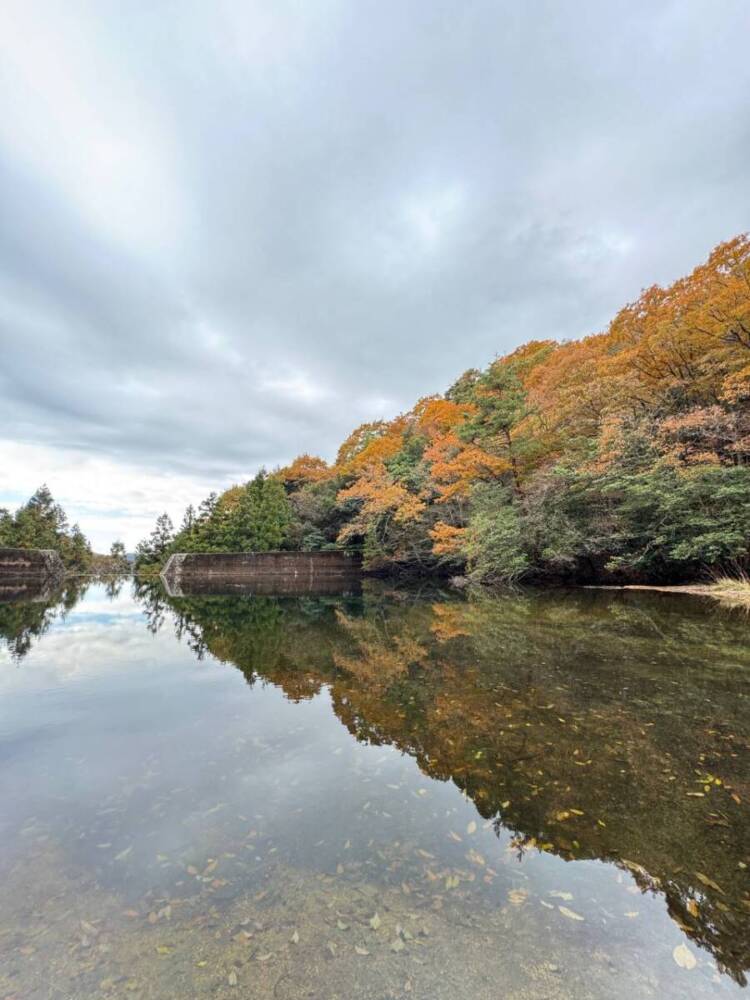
(231, 231)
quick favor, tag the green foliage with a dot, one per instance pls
(155, 548)
(316, 517)
(42, 524)
(692, 517)
(495, 546)
(254, 518)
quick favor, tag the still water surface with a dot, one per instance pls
(383, 795)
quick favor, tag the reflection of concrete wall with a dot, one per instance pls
(30, 564)
(29, 591)
(260, 572)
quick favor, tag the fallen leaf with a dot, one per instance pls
(472, 827)
(361, 951)
(709, 882)
(570, 913)
(375, 922)
(684, 957)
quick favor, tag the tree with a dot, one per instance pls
(154, 549)
(118, 554)
(262, 517)
(41, 523)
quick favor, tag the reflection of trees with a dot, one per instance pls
(592, 726)
(28, 612)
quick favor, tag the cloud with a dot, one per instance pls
(232, 232)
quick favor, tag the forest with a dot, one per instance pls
(624, 455)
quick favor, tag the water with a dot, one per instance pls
(384, 795)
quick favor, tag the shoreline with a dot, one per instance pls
(727, 592)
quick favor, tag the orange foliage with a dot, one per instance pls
(447, 539)
(305, 469)
(379, 496)
(456, 466)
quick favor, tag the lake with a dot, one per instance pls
(393, 793)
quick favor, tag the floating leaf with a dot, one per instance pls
(472, 827)
(375, 922)
(570, 913)
(361, 951)
(709, 882)
(684, 957)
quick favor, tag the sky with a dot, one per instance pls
(230, 232)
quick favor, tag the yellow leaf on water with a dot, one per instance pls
(709, 882)
(570, 913)
(375, 922)
(684, 957)
(472, 827)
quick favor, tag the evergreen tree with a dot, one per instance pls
(43, 524)
(78, 549)
(155, 548)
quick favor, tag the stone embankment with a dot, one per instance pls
(261, 572)
(30, 564)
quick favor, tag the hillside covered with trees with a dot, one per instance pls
(623, 455)
(41, 523)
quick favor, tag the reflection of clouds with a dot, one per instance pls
(69, 651)
(97, 602)
(97, 637)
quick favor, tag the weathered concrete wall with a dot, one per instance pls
(28, 591)
(30, 564)
(262, 572)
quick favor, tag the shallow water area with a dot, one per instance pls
(388, 794)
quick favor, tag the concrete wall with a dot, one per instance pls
(287, 571)
(30, 564)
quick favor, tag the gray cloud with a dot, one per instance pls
(230, 232)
